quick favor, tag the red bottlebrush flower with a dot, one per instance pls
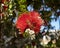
(5, 7)
(36, 21)
(1, 14)
(30, 20)
(22, 22)
(3, 1)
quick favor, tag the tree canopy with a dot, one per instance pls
(11, 9)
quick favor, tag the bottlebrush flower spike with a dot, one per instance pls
(30, 20)
(2, 1)
(5, 7)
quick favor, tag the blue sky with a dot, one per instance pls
(55, 23)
